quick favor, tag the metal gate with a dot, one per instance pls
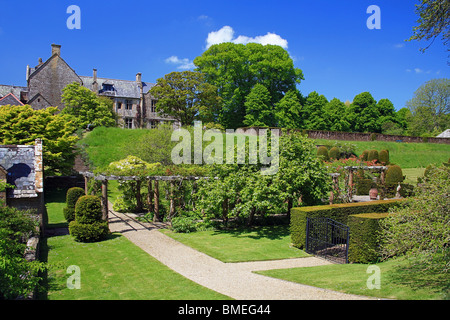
(327, 238)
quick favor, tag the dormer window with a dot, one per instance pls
(107, 87)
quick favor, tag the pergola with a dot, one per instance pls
(351, 169)
(152, 190)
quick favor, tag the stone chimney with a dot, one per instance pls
(94, 82)
(139, 79)
(56, 49)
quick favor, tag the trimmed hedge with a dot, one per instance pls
(88, 225)
(364, 237)
(322, 151)
(338, 212)
(89, 232)
(72, 196)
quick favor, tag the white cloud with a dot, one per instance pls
(184, 64)
(399, 45)
(226, 34)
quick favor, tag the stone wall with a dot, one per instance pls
(352, 136)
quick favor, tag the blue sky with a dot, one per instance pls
(329, 40)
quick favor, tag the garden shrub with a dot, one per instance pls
(363, 186)
(334, 153)
(372, 155)
(89, 232)
(406, 190)
(364, 155)
(322, 151)
(184, 224)
(394, 175)
(384, 157)
(88, 225)
(72, 196)
(364, 245)
(338, 212)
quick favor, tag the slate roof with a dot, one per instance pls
(10, 99)
(19, 162)
(122, 88)
(7, 89)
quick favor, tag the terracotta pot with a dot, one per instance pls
(373, 194)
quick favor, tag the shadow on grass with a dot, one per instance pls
(420, 274)
(51, 283)
(258, 232)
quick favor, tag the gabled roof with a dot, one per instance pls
(445, 134)
(7, 89)
(10, 99)
(42, 66)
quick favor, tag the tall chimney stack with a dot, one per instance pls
(56, 49)
(139, 79)
(94, 83)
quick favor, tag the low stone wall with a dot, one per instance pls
(352, 136)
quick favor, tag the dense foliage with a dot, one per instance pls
(88, 225)
(87, 108)
(18, 277)
(23, 124)
(421, 227)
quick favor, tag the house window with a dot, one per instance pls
(119, 105)
(128, 105)
(153, 106)
(107, 87)
(128, 123)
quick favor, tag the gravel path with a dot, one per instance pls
(235, 280)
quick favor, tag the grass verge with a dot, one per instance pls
(398, 280)
(239, 245)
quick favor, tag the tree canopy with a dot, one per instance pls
(23, 125)
(87, 107)
(236, 68)
(186, 97)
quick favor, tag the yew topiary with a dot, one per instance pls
(72, 196)
(394, 175)
(364, 155)
(334, 153)
(372, 155)
(384, 157)
(322, 152)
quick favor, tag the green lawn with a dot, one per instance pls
(115, 269)
(237, 245)
(398, 280)
(110, 269)
(406, 155)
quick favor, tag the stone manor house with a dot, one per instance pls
(133, 103)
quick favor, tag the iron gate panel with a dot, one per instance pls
(327, 238)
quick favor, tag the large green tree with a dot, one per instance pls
(23, 124)
(434, 20)
(430, 108)
(314, 111)
(236, 68)
(288, 111)
(335, 115)
(364, 114)
(258, 107)
(87, 107)
(186, 97)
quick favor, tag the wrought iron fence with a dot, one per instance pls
(327, 238)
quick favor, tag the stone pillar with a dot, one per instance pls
(105, 208)
(156, 198)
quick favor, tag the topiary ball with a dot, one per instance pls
(88, 209)
(364, 155)
(334, 153)
(72, 196)
(372, 155)
(394, 175)
(384, 157)
(322, 152)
